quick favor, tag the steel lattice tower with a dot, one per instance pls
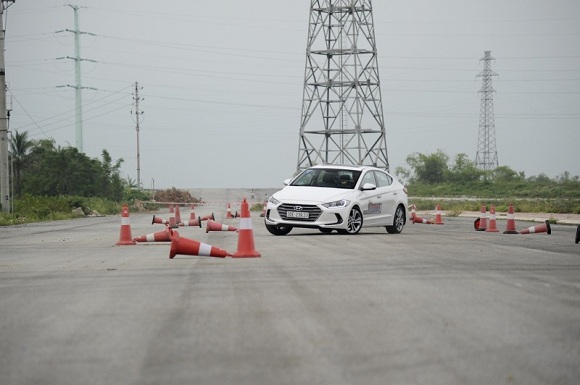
(486, 157)
(342, 114)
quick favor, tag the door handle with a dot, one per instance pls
(379, 197)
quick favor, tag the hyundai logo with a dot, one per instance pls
(297, 208)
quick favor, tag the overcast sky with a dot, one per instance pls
(222, 82)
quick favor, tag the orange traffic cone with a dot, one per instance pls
(125, 237)
(159, 236)
(186, 246)
(543, 228)
(159, 220)
(192, 213)
(264, 205)
(191, 223)
(177, 214)
(438, 219)
(413, 212)
(208, 217)
(229, 212)
(492, 228)
(246, 235)
(482, 223)
(418, 219)
(510, 227)
(216, 226)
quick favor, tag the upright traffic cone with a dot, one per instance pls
(159, 236)
(177, 215)
(246, 235)
(192, 213)
(482, 224)
(208, 217)
(418, 219)
(191, 223)
(186, 246)
(172, 222)
(542, 228)
(216, 226)
(125, 237)
(159, 220)
(438, 219)
(413, 212)
(492, 228)
(264, 205)
(510, 227)
(229, 212)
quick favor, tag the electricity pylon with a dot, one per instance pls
(486, 157)
(78, 75)
(4, 158)
(342, 113)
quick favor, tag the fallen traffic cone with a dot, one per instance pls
(159, 236)
(492, 228)
(578, 234)
(510, 227)
(186, 246)
(216, 226)
(246, 235)
(125, 237)
(208, 217)
(482, 223)
(192, 213)
(177, 214)
(418, 219)
(543, 228)
(159, 220)
(190, 223)
(438, 219)
(229, 212)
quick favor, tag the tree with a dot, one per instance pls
(19, 150)
(464, 170)
(430, 168)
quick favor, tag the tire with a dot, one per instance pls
(355, 222)
(278, 230)
(398, 221)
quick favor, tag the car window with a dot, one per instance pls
(369, 177)
(307, 178)
(383, 180)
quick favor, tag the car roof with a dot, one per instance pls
(345, 167)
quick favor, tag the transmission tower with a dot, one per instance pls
(486, 157)
(4, 116)
(78, 76)
(342, 113)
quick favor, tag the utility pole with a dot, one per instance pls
(486, 157)
(137, 116)
(342, 113)
(4, 164)
(78, 77)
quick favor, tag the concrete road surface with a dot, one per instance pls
(434, 305)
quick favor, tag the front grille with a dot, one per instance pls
(313, 212)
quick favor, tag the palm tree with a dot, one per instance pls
(19, 150)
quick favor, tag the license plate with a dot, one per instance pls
(297, 214)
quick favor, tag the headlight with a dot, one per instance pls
(273, 201)
(336, 204)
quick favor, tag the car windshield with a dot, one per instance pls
(327, 177)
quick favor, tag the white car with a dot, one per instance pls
(342, 198)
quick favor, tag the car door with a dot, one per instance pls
(370, 200)
(387, 198)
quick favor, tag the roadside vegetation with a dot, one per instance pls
(50, 182)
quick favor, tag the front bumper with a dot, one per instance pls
(333, 218)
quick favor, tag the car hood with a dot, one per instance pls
(312, 195)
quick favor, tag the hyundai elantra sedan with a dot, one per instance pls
(341, 198)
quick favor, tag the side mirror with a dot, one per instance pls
(287, 182)
(368, 186)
